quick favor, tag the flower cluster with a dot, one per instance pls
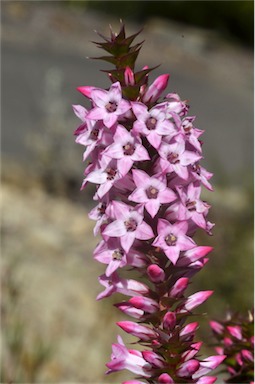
(236, 341)
(144, 158)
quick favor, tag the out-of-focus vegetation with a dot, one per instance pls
(233, 19)
(23, 356)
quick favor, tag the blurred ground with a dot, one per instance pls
(54, 330)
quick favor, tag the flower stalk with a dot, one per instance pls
(144, 158)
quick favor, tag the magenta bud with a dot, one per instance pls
(216, 327)
(141, 331)
(188, 368)
(144, 303)
(235, 331)
(227, 341)
(164, 378)
(156, 88)
(154, 359)
(247, 355)
(86, 90)
(207, 380)
(133, 382)
(130, 310)
(169, 321)
(155, 273)
(179, 287)
(189, 330)
(129, 76)
(196, 299)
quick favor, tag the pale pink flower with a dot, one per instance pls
(189, 206)
(129, 225)
(114, 283)
(105, 177)
(123, 358)
(175, 158)
(153, 124)
(126, 148)
(113, 254)
(172, 238)
(151, 192)
(109, 105)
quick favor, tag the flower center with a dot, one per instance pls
(130, 225)
(117, 254)
(151, 123)
(191, 205)
(152, 192)
(170, 239)
(128, 149)
(111, 106)
(196, 168)
(94, 134)
(101, 209)
(187, 128)
(173, 158)
(111, 173)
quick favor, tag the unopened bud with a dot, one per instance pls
(155, 273)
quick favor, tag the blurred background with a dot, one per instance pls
(53, 330)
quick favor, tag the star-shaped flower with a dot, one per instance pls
(109, 105)
(172, 239)
(151, 192)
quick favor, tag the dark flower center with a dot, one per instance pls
(130, 225)
(196, 168)
(173, 158)
(111, 173)
(94, 134)
(101, 209)
(191, 205)
(187, 128)
(117, 254)
(152, 192)
(170, 239)
(111, 106)
(128, 149)
(151, 123)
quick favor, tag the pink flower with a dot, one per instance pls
(151, 192)
(123, 358)
(105, 177)
(172, 239)
(126, 148)
(189, 206)
(127, 287)
(152, 124)
(191, 134)
(109, 105)
(111, 253)
(129, 225)
(174, 158)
